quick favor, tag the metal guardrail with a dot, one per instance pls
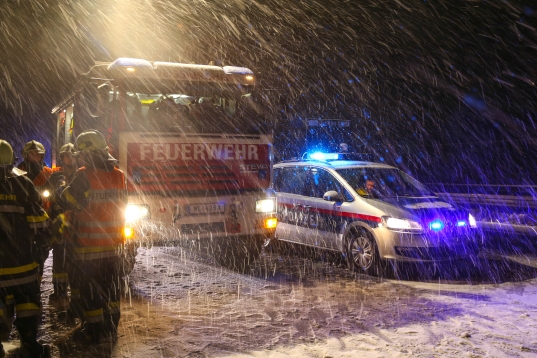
(509, 209)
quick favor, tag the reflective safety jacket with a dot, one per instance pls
(23, 222)
(99, 197)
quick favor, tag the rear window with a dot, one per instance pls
(290, 179)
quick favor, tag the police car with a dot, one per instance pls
(373, 213)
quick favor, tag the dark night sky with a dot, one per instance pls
(445, 89)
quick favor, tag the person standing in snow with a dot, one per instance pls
(98, 196)
(23, 223)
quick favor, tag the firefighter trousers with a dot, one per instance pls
(60, 263)
(27, 304)
(99, 281)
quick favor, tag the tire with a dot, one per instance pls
(129, 259)
(363, 255)
(238, 253)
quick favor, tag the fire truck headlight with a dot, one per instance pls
(136, 212)
(265, 205)
(270, 223)
(45, 193)
(128, 232)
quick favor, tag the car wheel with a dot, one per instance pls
(362, 253)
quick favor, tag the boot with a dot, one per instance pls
(36, 350)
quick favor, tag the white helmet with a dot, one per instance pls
(90, 141)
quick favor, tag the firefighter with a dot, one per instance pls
(62, 227)
(97, 193)
(33, 164)
(23, 228)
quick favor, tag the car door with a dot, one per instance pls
(323, 217)
(289, 183)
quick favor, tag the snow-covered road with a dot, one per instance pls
(181, 304)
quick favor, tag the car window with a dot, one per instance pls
(383, 182)
(291, 180)
(323, 181)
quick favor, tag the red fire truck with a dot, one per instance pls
(195, 145)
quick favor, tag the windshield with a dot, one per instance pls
(383, 182)
(202, 108)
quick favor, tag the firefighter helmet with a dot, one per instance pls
(6, 153)
(33, 145)
(91, 140)
(68, 148)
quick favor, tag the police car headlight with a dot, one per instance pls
(265, 205)
(471, 221)
(402, 224)
(45, 193)
(136, 212)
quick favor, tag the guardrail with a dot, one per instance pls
(505, 209)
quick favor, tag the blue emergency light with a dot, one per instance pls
(324, 156)
(436, 225)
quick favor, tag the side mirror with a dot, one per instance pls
(333, 195)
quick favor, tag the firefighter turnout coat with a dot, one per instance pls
(23, 223)
(99, 199)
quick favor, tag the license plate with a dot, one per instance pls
(202, 228)
(203, 209)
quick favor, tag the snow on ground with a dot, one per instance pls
(180, 304)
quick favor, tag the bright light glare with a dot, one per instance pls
(271, 223)
(130, 69)
(46, 193)
(129, 232)
(324, 156)
(250, 78)
(461, 223)
(436, 225)
(136, 212)
(472, 221)
(265, 205)
(402, 224)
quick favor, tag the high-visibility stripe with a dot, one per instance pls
(19, 281)
(27, 309)
(94, 316)
(60, 277)
(75, 294)
(96, 255)
(10, 299)
(71, 199)
(96, 249)
(84, 224)
(39, 225)
(112, 195)
(11, 209)
(37, 219)
(114, 307)
(100, 235)
(18, 269)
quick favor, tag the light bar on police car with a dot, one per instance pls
(324, 156)
(265, 205)
(136, 212)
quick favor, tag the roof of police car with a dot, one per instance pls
(334, 164)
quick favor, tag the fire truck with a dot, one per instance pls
(195, 146)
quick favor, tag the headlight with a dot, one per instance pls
(128, 232)
(45, 193)
(471, 221)
(136, 212)
(265, 205)
(402, 224)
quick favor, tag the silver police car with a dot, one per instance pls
(373, 213)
